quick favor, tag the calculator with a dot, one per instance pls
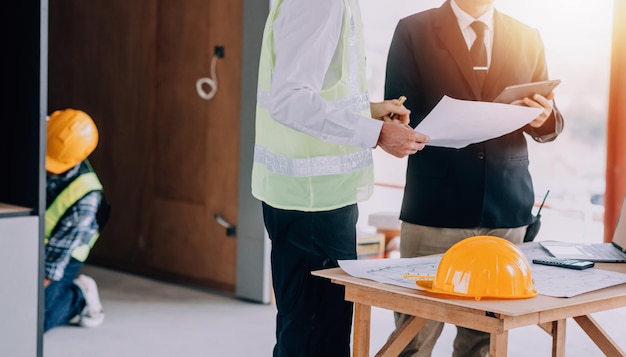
(565, 263)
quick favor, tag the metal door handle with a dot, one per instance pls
(231, 229)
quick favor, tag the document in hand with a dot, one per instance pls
(456, 123)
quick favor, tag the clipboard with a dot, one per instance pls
(519, 91)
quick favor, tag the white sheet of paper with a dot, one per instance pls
(456, 123)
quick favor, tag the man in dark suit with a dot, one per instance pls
(484, 188)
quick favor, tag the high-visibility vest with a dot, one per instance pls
(77, 189)
(296, 171)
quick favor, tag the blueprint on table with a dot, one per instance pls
(550, 281)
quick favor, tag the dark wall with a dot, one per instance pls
(22, 102)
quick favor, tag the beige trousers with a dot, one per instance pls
(417, 241)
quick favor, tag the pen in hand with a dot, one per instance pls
(402, 99)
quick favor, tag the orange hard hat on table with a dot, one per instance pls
(483, 267)
(71, 137)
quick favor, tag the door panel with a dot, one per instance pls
(192, 165)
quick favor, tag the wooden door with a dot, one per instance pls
(168, 159)
(194, 159)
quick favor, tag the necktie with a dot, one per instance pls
(478, 52)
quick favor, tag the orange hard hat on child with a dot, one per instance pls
(483, 267)
(71, 137)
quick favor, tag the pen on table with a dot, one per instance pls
(402, 99)
(411, 276)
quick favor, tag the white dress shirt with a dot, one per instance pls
(465, 20)
(306, 35)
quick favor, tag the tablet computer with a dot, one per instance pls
(519, 91)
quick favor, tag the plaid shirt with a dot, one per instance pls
(77, 226)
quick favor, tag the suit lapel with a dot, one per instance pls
(447, 29)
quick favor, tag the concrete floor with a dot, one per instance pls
(145, 317)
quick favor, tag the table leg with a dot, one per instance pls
(361, 337)
(558, 338)
(499, 344)
(401, 337)
(599, 336)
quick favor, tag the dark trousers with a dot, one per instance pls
(313, 318)
(63, 299)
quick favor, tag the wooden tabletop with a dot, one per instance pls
(599, 300)
(12, 210)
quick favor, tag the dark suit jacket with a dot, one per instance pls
(485, 184)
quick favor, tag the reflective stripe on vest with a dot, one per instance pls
(313, 166)
(292, 170)
(76, 190)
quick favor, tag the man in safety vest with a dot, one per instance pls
(75, 213)
(313, 162)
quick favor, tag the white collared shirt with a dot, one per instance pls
(306, 35)
(465, 20)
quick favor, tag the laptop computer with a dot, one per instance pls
(614, 252)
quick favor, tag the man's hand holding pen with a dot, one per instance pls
(389, 110)
(396, 136)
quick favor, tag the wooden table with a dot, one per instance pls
(496, 317)
(7, 210)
